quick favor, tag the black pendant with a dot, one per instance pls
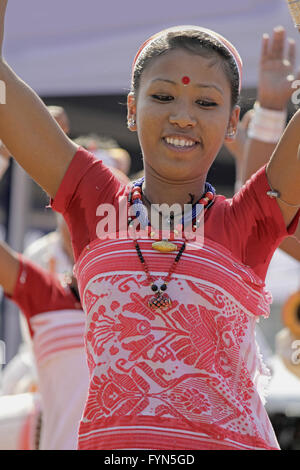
(160, 301)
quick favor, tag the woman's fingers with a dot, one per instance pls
(274, 48)
(265, 47)
(291, 52)
(278, 43)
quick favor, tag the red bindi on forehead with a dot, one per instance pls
(185, 80)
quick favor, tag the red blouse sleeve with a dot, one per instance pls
(86, 184)
(38, 291)
(251, 224)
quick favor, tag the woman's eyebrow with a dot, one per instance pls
(209, 85)
(198, 85)
(163, 80)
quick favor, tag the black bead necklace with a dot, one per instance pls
(161, 299)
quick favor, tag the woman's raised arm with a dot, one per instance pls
(283, 170)
(28, 130)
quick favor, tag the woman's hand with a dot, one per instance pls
(276, 70)
(274, 89)
(276, 74)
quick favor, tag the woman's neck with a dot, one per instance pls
(160, 190)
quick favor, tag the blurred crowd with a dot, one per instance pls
(25, 421)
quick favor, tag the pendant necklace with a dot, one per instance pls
(192, 218)
(161, 300)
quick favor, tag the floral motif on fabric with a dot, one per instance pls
(194, 363)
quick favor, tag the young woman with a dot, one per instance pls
(170, 335)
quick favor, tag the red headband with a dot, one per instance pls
(230, 48)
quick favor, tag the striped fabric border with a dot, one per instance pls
(55, 332)
(119, 257)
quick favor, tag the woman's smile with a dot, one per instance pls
(180, 143)
(181, 127)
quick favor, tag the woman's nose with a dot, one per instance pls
(183, 117)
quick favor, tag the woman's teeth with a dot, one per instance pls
(180, 142)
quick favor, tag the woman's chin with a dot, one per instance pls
(174, 171)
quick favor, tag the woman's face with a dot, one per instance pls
(181, 128)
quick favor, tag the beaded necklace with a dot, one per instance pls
(141, 213)
(161, 300)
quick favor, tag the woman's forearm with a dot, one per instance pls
(291, 246)
(3, 4)
(33, 137)
(283, 169)
(26, 127)
(257, 154)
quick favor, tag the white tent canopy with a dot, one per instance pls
(71, 47)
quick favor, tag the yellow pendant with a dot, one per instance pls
(164, 246)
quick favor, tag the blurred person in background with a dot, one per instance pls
(53, 253)
(257, 138)
(61, 117)
(52, 310)
(34, 411)
(54, 250)
(108, 150)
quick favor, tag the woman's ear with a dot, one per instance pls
(131, 112)
(232, 125)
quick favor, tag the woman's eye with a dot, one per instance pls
(206, 103)
(162, 97)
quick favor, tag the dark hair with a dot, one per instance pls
(194, 41)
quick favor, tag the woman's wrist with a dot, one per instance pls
(272, 105)
(267, 125)
(272, 100)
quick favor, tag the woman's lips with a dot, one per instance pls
(180, 143)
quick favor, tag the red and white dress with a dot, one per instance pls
(189, 377)
(56, 323)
